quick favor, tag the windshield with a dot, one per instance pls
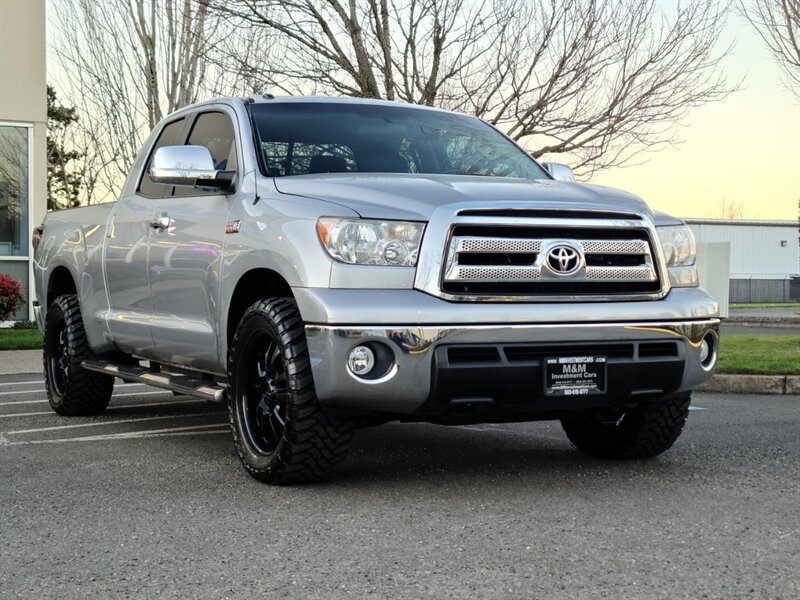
(303, 138)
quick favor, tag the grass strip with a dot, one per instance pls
(20, 339)
(767, 305)
(759, 354)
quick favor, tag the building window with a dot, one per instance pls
(14, 191)
(14, 206)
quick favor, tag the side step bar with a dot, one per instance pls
(168, 381)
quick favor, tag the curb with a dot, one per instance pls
(776, 322)
(752, 384)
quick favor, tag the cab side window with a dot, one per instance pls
(214, 131)
(169, 136)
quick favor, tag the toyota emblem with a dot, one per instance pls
(564, 260)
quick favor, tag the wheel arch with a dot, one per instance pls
(253, 285)
(59, 283)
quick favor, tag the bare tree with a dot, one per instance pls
(124, 65)
(730, 210)
(778, 24)
(598, 80)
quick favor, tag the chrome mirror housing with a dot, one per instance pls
(188, 165)
(559, 171)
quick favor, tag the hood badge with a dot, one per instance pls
(233, 226)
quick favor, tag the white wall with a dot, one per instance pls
(23, 103)
(755, 246)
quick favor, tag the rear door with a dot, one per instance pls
(186, 257)
(126, 254)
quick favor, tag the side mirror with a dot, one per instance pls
(559, 172)
(190, 166)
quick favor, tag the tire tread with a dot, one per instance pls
(86, 393)
(315, 440)
(648, 430)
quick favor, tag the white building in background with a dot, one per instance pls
(764, 257)
(23, 135)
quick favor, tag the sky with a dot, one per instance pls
(744, 150)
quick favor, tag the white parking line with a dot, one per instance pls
(22, 402)
(41, 382)
(81, 425)
(42, 390)
(18, 392)
(511, 431)
(134, 435)
(114, 396)
(144, 405)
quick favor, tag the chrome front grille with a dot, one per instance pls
(478, 244)
(497, 260)
(509, 273)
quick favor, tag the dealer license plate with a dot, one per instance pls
(575, 375)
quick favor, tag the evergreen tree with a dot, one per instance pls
(63, 180)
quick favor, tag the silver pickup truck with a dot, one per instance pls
(323, 264)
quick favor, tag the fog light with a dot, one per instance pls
(705, 350)
(361, 360)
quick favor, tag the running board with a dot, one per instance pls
(168, 381)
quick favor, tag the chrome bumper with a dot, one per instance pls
(409, 383)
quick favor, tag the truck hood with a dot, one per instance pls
(415, 196)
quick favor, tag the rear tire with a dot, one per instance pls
(641, 432)
(281, 431)
(71, 390)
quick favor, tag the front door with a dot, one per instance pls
(126, 256)
(186, 256)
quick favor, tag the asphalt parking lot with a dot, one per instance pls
(148, 501)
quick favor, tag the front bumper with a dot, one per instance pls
(425, 381)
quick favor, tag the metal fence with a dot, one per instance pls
(765, 290)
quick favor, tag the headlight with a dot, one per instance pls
(680, 253)
(368, 242)
(678, 245)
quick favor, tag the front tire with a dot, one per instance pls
(281, 432)
(71, 390)
(644, 431)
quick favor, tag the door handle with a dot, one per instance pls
(161, 222)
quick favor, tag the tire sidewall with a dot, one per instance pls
(256, 321)
(645, 431)
(56, 320)
(83, 392)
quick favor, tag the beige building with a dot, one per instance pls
(23, 136)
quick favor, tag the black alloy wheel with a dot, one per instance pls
(643, 431)
(71, 390)
(281, 431)
(58, 356)
(265, 399)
